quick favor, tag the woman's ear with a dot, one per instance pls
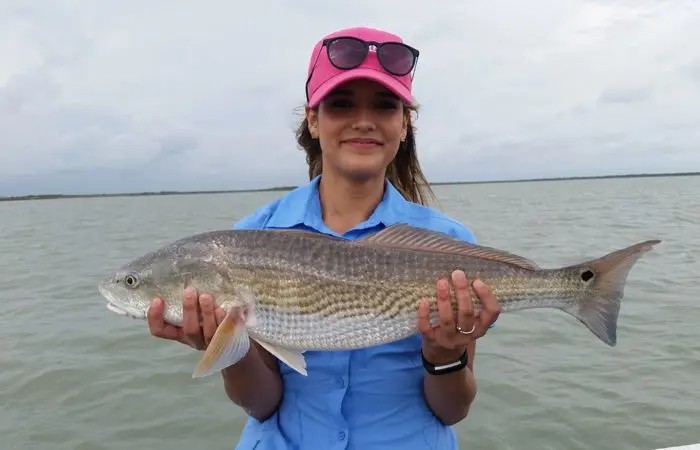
(405, 124)
(312, 121)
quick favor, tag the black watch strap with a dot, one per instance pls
(442, 369)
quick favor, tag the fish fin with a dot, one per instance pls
(245, 297)
(292, 358)
(229, 345)
(608, 274)
(302, 233)
(407, 236)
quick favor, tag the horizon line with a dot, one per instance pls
(290, 187)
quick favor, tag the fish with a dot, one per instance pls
(294, 291)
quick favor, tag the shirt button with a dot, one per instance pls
(341, 436)
(340, 382)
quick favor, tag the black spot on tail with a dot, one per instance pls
(587, 275)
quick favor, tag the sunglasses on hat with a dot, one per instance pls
(347, 52)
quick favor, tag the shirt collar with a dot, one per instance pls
(302, 206)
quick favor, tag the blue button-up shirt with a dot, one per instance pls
(362, 399)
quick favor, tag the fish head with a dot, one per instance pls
(165, 273)
(127, 293)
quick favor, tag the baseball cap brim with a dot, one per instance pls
(385, 79)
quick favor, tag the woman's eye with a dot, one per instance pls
(388, 105)
(341, 103)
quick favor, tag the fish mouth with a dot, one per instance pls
(118, 307)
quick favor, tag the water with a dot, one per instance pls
(75, 376)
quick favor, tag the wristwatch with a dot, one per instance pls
(442, 369)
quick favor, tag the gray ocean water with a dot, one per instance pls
(75, 376)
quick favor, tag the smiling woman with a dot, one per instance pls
(364, 176)
(361, 127)
(339, 93)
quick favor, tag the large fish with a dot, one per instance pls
(293, 291)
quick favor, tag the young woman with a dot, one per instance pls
(365, 175)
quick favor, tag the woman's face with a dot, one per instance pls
(360, 126)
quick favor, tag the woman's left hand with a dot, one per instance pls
(444, 342)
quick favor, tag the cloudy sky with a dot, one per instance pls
(117, 96)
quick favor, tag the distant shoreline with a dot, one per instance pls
(288, 188)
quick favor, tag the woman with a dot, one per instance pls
(365, 175)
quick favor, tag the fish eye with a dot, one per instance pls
(131, 280)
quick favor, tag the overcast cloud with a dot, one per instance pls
(131, 96)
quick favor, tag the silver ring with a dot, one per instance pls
(466, 332)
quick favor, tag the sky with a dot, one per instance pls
(130, 96)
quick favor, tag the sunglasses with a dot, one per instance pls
(349, 52)
(346, 52)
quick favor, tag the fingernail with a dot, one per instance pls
(190, 291)
(478, 284)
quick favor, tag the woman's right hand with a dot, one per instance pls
(201, 317)
(254, 383)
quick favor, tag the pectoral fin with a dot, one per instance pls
(228, 346)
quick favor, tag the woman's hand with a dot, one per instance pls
(444, 342)
(253, 383)
(201, 317)
(449, 396)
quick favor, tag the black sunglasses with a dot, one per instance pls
(347, 52)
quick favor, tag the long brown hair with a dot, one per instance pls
(404, 172)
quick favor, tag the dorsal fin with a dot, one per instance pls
(410, 237)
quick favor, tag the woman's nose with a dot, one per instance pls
(364, 121)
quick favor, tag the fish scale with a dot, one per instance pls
(394, 281)
(332, 311)
(292, 290)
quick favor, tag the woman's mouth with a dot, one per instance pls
(363, 142)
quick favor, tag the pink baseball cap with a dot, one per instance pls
(324, 76)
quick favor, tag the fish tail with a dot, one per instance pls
(599, 309)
